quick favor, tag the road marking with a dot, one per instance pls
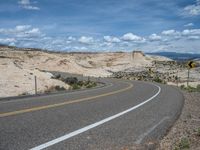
(68, 93)
(84, 129)
(6, 114)
(141, 137)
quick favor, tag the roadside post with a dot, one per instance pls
(35, 85)
(191, 65)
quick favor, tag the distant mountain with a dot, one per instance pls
(177, 56)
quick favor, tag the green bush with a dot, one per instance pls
(90, 85)
(58, 88)
(184, 143)
(198, 131)
(71, 80)
(157, 79)
(57, 76)
(190, 89)
(182, 87)
(75, 86)
(198, 87)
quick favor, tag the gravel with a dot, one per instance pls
(186, 127)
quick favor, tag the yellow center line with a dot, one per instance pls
(63, 103)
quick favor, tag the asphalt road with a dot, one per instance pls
(120, 114)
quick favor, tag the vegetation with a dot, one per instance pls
(54, 89)
(75, 83)
(198, 131)
(184, 143)
(24, 93)
(191, 89)
(158, 80)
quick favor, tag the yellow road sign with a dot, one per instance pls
(191, 64)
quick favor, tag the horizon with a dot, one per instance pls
(74, 25)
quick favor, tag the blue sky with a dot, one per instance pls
(102, 25)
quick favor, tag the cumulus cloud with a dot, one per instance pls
(189, 25)
(17, 29)
(170, 32)
(132, 37)
(192, 10)
(111, 39)
(191, 32)
(22, 31)
(194, 37)
(155, 37)
(28, 36)
(71, 38)
(7, 40)
(86, 40)
(26, 4)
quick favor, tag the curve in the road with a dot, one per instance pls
(84, 129)
(6, 114)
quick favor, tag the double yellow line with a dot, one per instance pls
(63, 103)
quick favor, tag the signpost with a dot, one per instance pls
(35, 85)
(191, 65)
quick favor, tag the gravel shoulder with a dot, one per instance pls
(185, 133)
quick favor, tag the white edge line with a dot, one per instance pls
(141, 137)
(84, 129)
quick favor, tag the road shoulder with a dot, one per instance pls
(186, 131)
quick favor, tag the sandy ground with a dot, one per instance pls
(186, 126)
(16, 80)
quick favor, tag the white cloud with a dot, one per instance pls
(17, 29)
(191, 32)
(86, 40)
(170, 32)
(71, 38)
(22, 31)
(155, 37)
(194, 37)
(189, 25)
(26, 4)
(192, 10)
(132, 37)
(111, 39)
(7, 40)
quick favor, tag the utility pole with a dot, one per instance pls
(35, 85)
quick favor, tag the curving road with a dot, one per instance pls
(121, 114)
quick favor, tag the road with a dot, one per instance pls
(121, 114)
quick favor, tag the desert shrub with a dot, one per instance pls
(91, 84)
(184, 143)
(71, 80)
(80, 83)
(157, 79)
(57, 76)
(198, 131)
(190, 89)
(59, 88)
(24, 93)
(198, 87)
(54, 89)
(182, 87)
(75, 86)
